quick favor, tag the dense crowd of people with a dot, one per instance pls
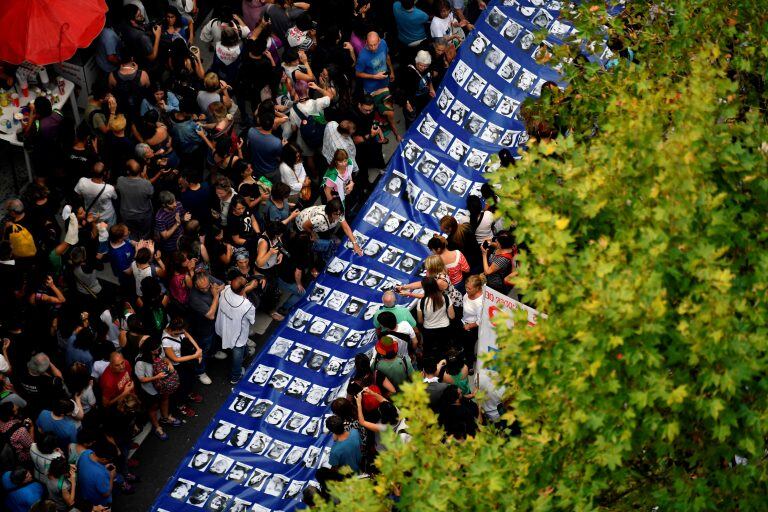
(210, 188)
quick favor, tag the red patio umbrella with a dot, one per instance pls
(48, 31)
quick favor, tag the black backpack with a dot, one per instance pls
(311, 129)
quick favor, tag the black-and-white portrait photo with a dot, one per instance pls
(277, 416)
(427, 165)
(355, 306)
(300, 318)
(479, 44)
(476, 159)
(280, 347)
(410, 230)
(336, 299)
(522, 138)
(389, 283)
(372, 279)
(373, 248)
(296, 422)
(425, 202)
(445, 99)
(391, 255)
(427, 126)
(219, 502)
(393, 222)
(457, 112)
(199, 496)
(201, 459)
(361, 239)
(241, 403)
(442, 176)
(319, 293)
(222, 431)
(279, 380)
(442, 138)
(508, 69)
(316, 360)
(542, 19)
(376, 214)
(260, 408)
(537, 88)
(459, 186)
(240, 438)
(444, 209)
(559, 30)
(525, 42)
(526, 11)
(474, 124)
(298, 353)
(507, 106)
(461, 72)
(495, 18)
(276, 485)
(525, 80)
(510, 31)
(297, 452)
(240, 506)
(239, 472)
(181, 489)
(278, 450)
(411, 152)
(395, 184)
(312, 456)
(316, 393)
(491, 133)
(259, 443)
(220, 464)
(318, 326)
(426, 236)
(294, 490)
(333, 367)
(371, 309)
(411, 192)
(335, 334)
(491, 97)
(353, 339)
(353, 274)
(409, 263)
(458, 150)
(509, 138)
(475, 85)
(494, 57)
(257, 480)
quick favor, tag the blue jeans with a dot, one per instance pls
(291, 288)
(236, 370)
(326, 248)
(205, 343)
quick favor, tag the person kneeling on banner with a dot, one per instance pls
(322, 220)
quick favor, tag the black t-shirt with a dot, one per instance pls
(241, 226)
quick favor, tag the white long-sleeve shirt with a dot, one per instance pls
(234, 319)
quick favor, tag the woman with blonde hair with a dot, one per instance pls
(470, 317)
(436, 269)
(455, 263)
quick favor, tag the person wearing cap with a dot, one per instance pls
(417, 86)
(389, 362)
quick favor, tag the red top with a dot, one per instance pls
(457, 268)
(112, 384)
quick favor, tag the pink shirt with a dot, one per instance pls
(457, 268)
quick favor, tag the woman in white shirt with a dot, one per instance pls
(292, 171)
(473, 308)
(480, 220)
(435, 313)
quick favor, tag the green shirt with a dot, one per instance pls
(397, 370)
(402, 314)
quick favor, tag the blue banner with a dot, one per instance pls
(266, 442)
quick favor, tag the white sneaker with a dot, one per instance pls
(205, 379)
(251, 343)
(220, 355)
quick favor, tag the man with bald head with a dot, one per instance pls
(116, 381)
(402, 314)
(375, 71)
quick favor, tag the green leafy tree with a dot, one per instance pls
(645, 241)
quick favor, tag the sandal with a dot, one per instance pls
(277, 316)
(161, 434)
